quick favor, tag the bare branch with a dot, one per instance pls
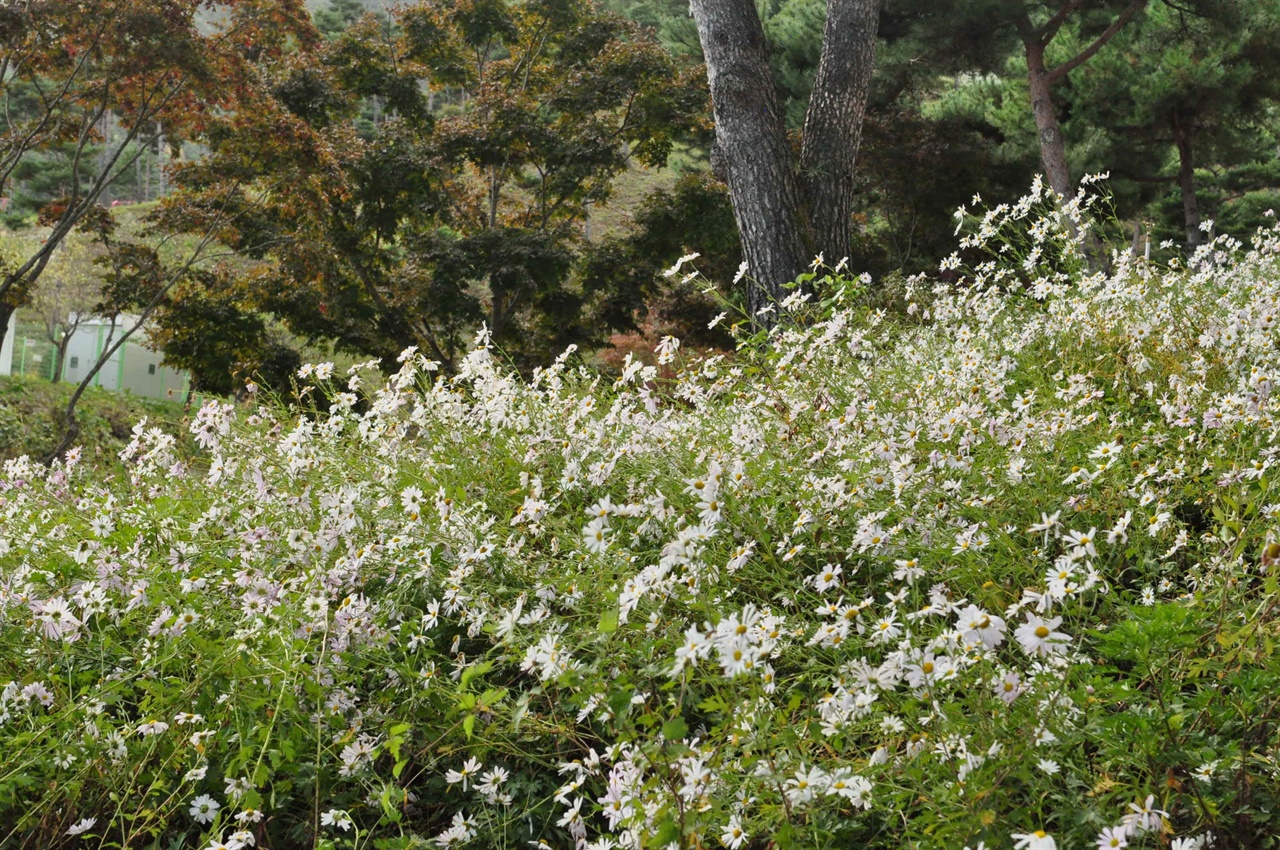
(198, 254)
(35, 265)
(15, 153)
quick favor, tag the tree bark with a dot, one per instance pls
(1182, 137)
(60, 356)
(1053, 150)
(760, 168)
(833, 122)
(6, 312)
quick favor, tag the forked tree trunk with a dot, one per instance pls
(1053, 150)
(753, 145)
(1040, 78)
(787, 211)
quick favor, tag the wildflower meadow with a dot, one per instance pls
(983, 562)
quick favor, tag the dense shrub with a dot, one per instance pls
(980, 565)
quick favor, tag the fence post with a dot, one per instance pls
(97, 355)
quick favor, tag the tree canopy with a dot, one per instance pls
(439, 217)
(92, 87)
(378, 179)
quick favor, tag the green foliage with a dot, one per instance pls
(695, 216)
(1206, 79)
(335, 18)
(205, 329)
(668, 20)
(92, 94)
(794, 30)
(418, 227)
(920, 163)
(32, 410)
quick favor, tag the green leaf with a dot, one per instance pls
(492, 697)
(609, 621)
(675, 729)
(475, 670)
(620, 700)
(521, 709)
(388, 808)
(666, 833)
(261, 775)
(469, 725)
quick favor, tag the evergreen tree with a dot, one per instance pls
(338, 16)
(1182, 90)
(1052, 38)
(669, 20)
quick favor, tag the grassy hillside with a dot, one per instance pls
(992, 567)
(31, 417)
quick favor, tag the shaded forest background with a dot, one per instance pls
(409, 177)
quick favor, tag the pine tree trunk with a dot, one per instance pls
(759, 164)
(1187, 184)
(1053, 151)
(833, 123)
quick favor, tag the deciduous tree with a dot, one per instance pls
(418, 229)
(67, 294)
(156, 69)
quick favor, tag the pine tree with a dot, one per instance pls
(1052, 37)
(1183, 89)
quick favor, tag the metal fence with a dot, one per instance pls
(133, 367)
(33, 354)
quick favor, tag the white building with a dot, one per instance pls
(132, 367)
